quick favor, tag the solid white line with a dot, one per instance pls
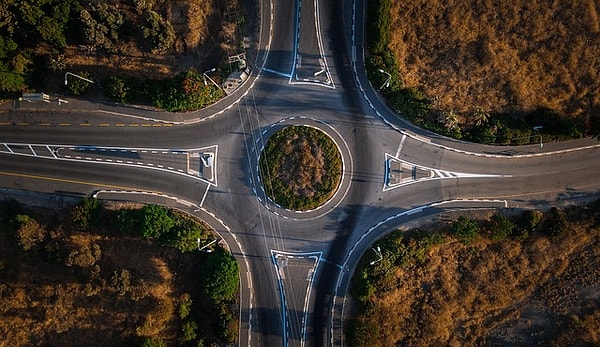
(400, 146)
(33, 151)
(8, 147)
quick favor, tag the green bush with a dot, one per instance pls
(118, 89)
(220, 276)
(556, 222)
(465, 229)
(153, 342)
(500, 227)
(185, 306)
(188, 331)
(185, 92)
(155, 221)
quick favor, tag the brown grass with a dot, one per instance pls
(500, 293)
(303, 165)
(502, 56)
(45, 302)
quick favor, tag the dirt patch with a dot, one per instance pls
(503, 57)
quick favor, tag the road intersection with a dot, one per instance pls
(295, 267)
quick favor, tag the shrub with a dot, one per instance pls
(84, 256)
(118, 89)
(188, 331)
(500, 227)
(85, 214)
(153, 342)
(221, 276)
(155, 221)
(465, 229)
(29, 231)
(556, 223)
(185, 306)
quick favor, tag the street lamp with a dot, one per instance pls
(204, 74)
(206, 245)
(379, 256)
(387, 81)
(74, 75)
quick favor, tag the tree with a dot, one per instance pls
(155, 221)
(221, 276)
(480, 116)
(465, 229)
(159, 31)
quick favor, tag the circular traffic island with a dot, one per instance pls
(300, 168)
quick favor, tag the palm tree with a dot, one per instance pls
(480, 116)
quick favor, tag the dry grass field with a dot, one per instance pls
(96, 287)
(540, 291)
(505, 57)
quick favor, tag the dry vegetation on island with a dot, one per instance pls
(484, 282)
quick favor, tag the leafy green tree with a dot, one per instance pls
(155, 221)
(159, 31)
(221, 276)
(128, 220)
(465, 229)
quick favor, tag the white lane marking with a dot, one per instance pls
(400, 146)
(32, 151)
(8, 147)
(51, 152)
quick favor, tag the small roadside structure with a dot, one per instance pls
(35, 97)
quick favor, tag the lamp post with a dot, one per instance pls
(379, 256)
(206, 245)
(387, 81)
(204, 74)
(74, 75)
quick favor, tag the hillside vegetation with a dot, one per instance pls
(120, 45)
(489, 71)
(89, 275)
(532, 279)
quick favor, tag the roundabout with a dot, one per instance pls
(300, 168)
(303, 168)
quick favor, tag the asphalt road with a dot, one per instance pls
(295, 267)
